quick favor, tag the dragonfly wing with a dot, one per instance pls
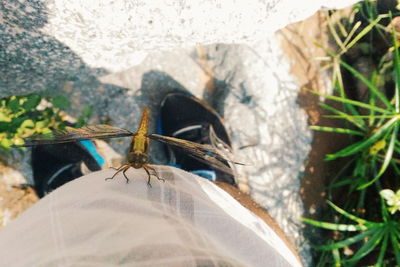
(204, 153)
(223, 149)
(100, 131)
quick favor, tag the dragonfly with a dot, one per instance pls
(138, 155)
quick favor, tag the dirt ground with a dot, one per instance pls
(14, 200)
(298, 42)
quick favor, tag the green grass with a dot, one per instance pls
(363, 231)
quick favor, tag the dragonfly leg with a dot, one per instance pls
(124, 171)
(121, 168)
(148, 174)
(117, 169)
(155, 173)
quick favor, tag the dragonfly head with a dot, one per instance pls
(137, 160)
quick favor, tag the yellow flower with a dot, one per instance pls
(378, 146)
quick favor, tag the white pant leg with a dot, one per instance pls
(184, 221)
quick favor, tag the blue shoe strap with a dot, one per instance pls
(91, 148)
(159, 126)
(207, 174)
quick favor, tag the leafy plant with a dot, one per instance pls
(372, 236)
(373, 121)
(23, 116)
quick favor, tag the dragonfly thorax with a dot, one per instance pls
(137, 160)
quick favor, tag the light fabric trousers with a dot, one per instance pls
(184, 221)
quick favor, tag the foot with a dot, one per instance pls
(186, 117)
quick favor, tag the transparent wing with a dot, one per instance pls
(100, 131)
(223, 149)
(204, 153)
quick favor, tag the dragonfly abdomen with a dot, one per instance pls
(144, 123)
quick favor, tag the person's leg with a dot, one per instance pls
(185, 220)
(246, 201)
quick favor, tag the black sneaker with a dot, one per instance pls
(55, 165)
(186, 117)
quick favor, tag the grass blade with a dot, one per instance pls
(357, 122)
(369, 245)
(335, 34)
(346, 214)
(336, 257)
(323, 259)
(336, 130)
(335, 226)
(382, 251)
(348, 241)
(396, 95)
(363, 32)
(388, 157)
(338, 83)
(372, 98)
(347, 42)
(370, 85)
(354, 148)
(354, 103)
(396, 248)
(384, 210)
(396, 62)
(341, 183)
(361, 116)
